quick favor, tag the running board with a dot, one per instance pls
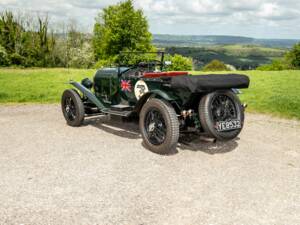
(94, 115)
(118, 113)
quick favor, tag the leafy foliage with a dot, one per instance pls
(104, 63)
(4, 60)
(293, 57)
(276, 65)
(180, 63)
(120, 28)
(215, 65)
(17, 59)
(291, 60)
(29, 42)
(26, 47)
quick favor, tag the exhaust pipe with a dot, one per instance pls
(208, 139)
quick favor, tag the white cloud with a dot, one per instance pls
(274, 11)
(239, 17)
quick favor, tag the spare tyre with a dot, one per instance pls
(221, 114)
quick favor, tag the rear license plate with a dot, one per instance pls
(228, 125)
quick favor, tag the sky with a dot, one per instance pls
(251, 18)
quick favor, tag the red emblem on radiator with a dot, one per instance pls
(126, 85)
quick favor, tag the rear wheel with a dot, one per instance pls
(159, 126)
(221, 115)
(72, 108)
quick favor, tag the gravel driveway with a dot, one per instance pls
(101, 174)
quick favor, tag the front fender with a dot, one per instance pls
(89, 95)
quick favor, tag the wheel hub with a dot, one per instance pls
(67, 109)
(151, 127)
(155, 127)
(223, 108)
(70, 108)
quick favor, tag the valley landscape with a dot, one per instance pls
(241, 52)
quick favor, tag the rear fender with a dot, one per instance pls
(162, 94)
(152, 94)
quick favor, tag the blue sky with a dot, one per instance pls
(253, 18)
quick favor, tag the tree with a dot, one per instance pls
(43, 39)
(180, 63)
(75, 37)
(4, 60)
(293, 57)
(120, 28)
(9, 32)
(215, 65)
(27, 42)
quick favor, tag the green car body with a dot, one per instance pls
(107, 85)
(166, 103)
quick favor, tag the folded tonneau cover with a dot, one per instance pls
(204, 83)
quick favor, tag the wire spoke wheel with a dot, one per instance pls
(155, 127)
(70, 108)
(223, 109)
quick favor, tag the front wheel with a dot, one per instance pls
(221, 115)
(72, 108)
(159, 126)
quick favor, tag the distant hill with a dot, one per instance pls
(166, 40)
(242, 57)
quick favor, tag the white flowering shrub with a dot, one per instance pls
(81, 57)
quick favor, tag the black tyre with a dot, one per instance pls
(159, 126)
(72, 108)
(220, 106)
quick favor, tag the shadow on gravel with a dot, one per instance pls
(116, 127)
(190, 142)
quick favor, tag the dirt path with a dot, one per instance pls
(101, 174)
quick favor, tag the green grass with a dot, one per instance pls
(276, 93)
(37, 85)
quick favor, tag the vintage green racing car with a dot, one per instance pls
(166, 103)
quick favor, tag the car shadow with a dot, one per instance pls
(191, 142)
(115, 126)
(195, 143)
